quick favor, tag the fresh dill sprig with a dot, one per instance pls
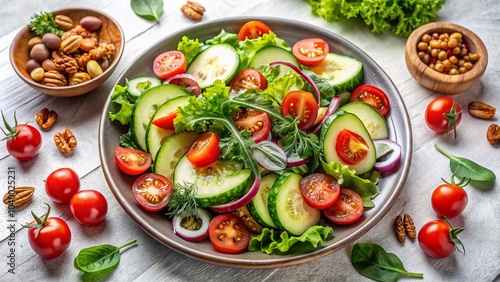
(182, 200)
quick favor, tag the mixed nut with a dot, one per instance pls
(72, 58)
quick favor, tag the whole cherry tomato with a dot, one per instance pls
(48, 236)
(438, 239)
(23, 140)
(443, 114)
(62, 184)
(449, 200)
(89, 207)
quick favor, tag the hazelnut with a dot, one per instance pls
(40, 52)
(34, 41)
(91, 23)
(48, 65)
(31, 65)
(52, 41)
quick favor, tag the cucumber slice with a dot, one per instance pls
(328, 139)
(287, 207)
(146, 106)
(155, 136)
(258, 206)
(217, 184)
(171, 151)
(374, 122)
(217, 62)
(137, 85)
(271, 54)
(342, 72)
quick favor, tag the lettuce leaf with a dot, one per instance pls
(120, 98)
(270, 241)
(347, 178)
(189, 47)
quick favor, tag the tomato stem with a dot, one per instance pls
(452, 118)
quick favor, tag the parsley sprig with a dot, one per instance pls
(44, 23)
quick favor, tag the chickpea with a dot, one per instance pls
(435, 44)
(422, 46)
(426, 38)
(443, 45)
(456, 51)
(444, 36)
(452, 43)
(461, 70)
(463, 52)
(434, 53)
(453, 72)
(439, 67)
(468, 65)
(435, 35)
(442, 55)
(473, 57)
(453, 60)
(457, 36)
(461, 63)
(466, 58)
(426, 59)
(421, 54)
(447, 64)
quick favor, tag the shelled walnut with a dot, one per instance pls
(193, 10)
(45, 118)
(65, 141)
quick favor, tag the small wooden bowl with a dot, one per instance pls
(110, 32)
(439, 82)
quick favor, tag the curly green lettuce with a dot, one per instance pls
(400, 17)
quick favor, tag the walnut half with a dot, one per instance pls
(193, 10)
(65, 141)
(45, 118)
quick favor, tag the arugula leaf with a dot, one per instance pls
(270, 241)
(99, 259)
(189, 47)
(127, 141)
(366, 189)
(120, 98)
(150, 10)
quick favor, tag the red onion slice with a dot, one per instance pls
(303, 75)
(241, 201)
(334, 104)
(192, 235)
(294, 160)
(186, 81)
(393, 158)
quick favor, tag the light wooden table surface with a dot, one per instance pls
(152, 261)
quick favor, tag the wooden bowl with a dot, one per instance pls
(110, 32)
(440, 82)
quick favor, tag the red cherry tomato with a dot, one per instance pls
(169, 64)
(300, 104)
(347, 209)
(310, 51)
(152, 191)
(205, 150)
(187, 82)
(449, 200)
(252, 30)
(443, 114)
(23, 140)
(228, 234)
(132, 161)
(256, 122)
(373, 96)
(89, 207)
(248, 79)
(351, 148)
(53, 237)
(320, 190)
(62, 184)
(435, 238)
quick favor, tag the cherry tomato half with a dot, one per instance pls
(320, 190)
(256, 122)
(350, 147)
(248, 79)
(443, 114)
(434, 239)
(310, 51)
(373, 96)
(89, 207)
(132, 161)
(252, 30)
(185, 81)
(347, 209)
(169, 64)
(205, 150)
(300, 104)
(167, 121)
(152, 191)
(228, 234)
(62, 184)
(449, 200)
(23, 142)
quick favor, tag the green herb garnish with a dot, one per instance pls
(44, 23)
(150, 10)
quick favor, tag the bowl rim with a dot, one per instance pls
(37, 85)
(423, 69)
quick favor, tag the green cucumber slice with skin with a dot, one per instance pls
(374, 122)
(171, 151)
(258, 206)
(330, 130)
(137, 85)
(287, 207)
(217, 184)
(342, 72)
(155, 136)
(271, 54)
(217, 62)
(146, 106)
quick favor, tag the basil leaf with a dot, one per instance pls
(463, 167)
(372, 261)
(98, 259)
(269, 155)
(150, 10)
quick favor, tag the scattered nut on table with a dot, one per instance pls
(19, 196)
(65, 141)
(45, 118)
(410, 227)
(193, 10)
(493, 134)
(481, 110)
(399, 228)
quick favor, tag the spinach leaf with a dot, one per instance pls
(148, 9)
(99, 259)
(463, 167)
(372, 261)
